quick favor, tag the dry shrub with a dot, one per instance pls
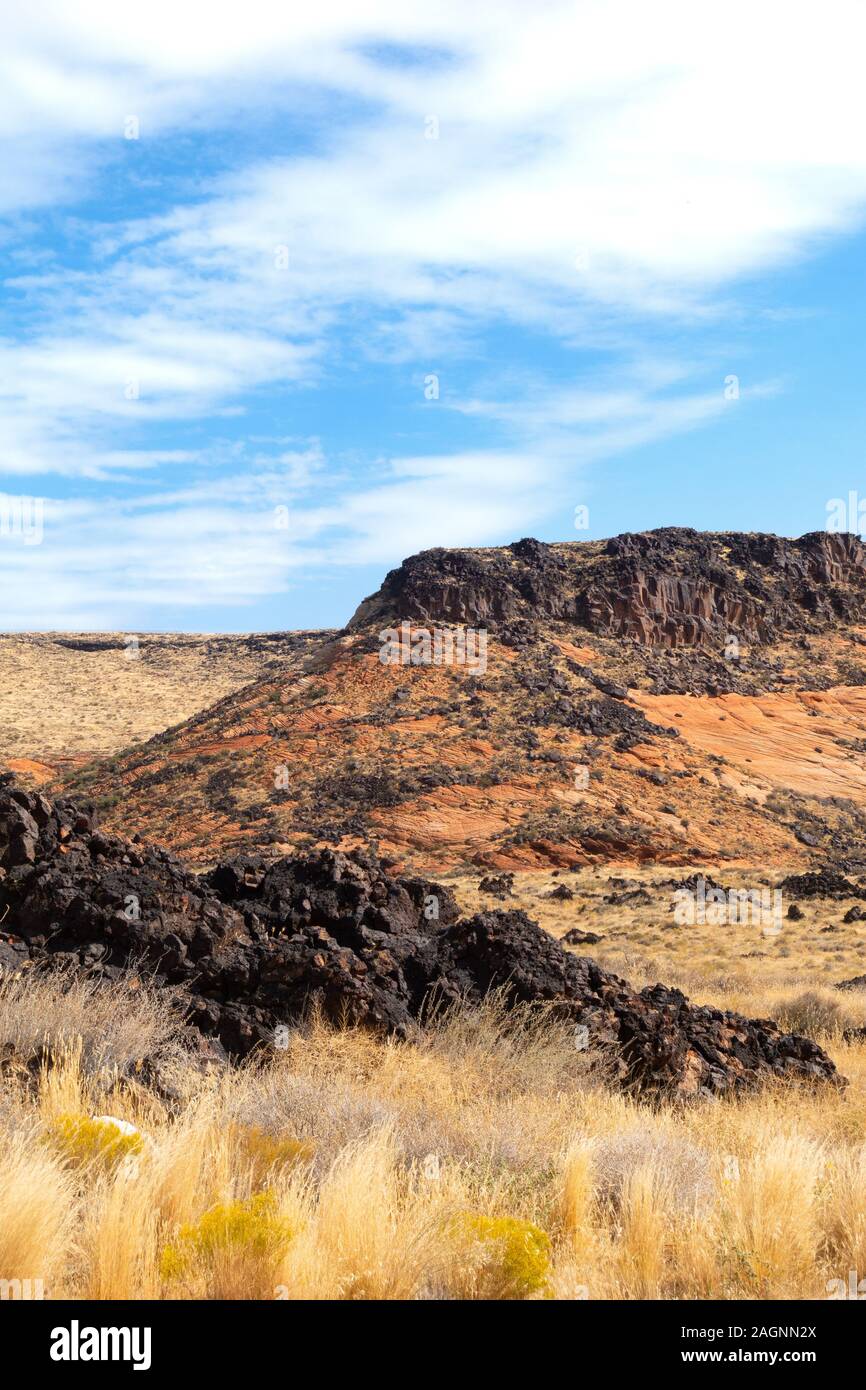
(114, 1027)
(36, 1211)
(814, 1013)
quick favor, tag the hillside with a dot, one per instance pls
(668, 698)
(66, 697)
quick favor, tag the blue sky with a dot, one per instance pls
(235, 256)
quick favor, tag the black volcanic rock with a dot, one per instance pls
(576, 937)
(606, 716)
(256, 945)
(497, 885)
(821, 883)
(672, 587)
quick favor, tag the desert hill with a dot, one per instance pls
(669, 698)
(66, 697)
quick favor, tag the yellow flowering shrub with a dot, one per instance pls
(266, 1154)
(83, 1141)
(505, 1256)
(229, 1243)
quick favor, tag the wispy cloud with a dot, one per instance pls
(314, 194)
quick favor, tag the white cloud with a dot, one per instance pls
(291, 515)
(597, 162)
(668, 143)
(592, 158)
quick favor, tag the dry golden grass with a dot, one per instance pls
(491, 1160)
(734, 966)
(65, 696)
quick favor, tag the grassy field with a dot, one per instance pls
(489, 1159)
(733, 966)
(67, 696)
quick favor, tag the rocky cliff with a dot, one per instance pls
(673, 587)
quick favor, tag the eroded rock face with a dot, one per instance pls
(672, 587)
(256, 945)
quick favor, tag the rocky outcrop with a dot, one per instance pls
(821, 883)
(497, 885)
(257, 945)
(672, 587)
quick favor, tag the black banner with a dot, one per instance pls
(265, 1339)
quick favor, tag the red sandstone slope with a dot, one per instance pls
(573, 744)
